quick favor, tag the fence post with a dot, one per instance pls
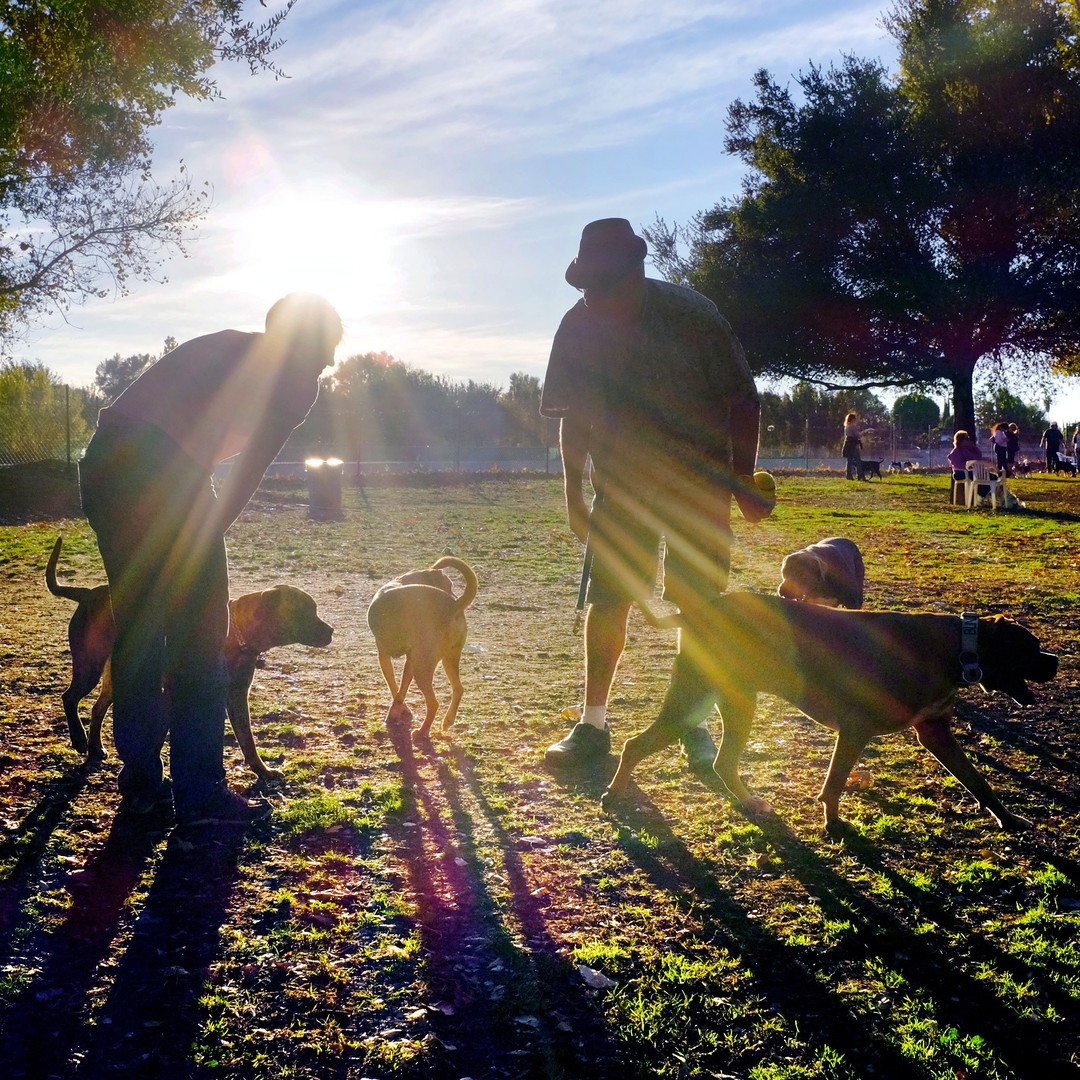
(806, 445)
(67, 421)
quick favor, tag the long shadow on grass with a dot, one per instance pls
(799, 984)
(44, 1028)
(494, 999)
(790, 986)
(23, 848)
(1032, 733)
(151, 1016)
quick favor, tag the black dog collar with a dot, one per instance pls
(970, 670)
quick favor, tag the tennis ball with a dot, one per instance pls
(765, 483)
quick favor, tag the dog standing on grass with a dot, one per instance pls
(860, 673)
(258, 621)
(416, 615)
(828, 572)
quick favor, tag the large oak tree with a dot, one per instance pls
(900, 230)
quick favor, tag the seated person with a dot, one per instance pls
(964, 450)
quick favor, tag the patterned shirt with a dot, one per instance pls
(659, 395)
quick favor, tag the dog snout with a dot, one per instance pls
(1046, 667)
(320, 635)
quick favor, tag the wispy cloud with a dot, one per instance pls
(540, 76)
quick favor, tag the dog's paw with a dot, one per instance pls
(1010, 822)
(838, 829)
(612, 801)
(399, 713)
(755, 806)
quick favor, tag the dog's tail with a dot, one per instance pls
(466, 571)
(662, 622)
(69, 592)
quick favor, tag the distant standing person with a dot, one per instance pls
(852, 448)
(1051, 440)
(1012, 444)
(148, 493)
(649, 382)
(1000, 436)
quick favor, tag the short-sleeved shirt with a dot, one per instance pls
(211, 394)
(658, 395)
(1052, 439)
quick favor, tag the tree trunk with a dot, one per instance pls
(964, 403)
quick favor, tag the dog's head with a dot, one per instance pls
(291, 613)
(802, 577)
(1010, 657)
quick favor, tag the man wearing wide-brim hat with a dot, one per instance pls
(650, 385)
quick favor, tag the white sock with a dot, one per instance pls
(596, 715)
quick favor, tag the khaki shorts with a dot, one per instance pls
(625, 530)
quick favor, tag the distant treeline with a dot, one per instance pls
(373, 407)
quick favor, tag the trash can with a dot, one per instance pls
(324, 487)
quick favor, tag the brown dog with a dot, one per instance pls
(830, 571)
(258, 621)
(860, 673)
(417, 616)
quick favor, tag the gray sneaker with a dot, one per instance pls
(585, 745)
(700, 750)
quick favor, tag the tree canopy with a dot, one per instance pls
(82, 83)
(899, 231)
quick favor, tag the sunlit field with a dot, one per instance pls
(450, 909)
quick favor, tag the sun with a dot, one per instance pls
(320, 240)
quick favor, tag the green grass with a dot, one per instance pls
(424, 910)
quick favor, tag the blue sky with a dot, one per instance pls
(428, 166)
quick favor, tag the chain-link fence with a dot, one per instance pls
(42, 423)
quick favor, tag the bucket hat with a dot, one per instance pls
(609, 248)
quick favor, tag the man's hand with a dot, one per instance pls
(577, 514)
(755, 504)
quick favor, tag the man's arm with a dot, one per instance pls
(248, 469)
(745, 431)
(574, 447)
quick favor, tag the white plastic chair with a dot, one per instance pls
(980, 475)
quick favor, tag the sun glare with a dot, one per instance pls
(318, 241)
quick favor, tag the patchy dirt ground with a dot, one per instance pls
(449, 909)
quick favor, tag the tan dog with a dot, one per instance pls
(258, 621)
(830, 571)
(860, 673)
(417, 616)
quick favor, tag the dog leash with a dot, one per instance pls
(583, 587)
(970, 670)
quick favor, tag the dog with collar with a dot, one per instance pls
(416, 615)
(860, 673)
(828, 572)
(282, 615)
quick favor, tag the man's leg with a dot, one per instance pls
(589, 740)
(198, 622)
(697, 565)
(605, 639)
(113, 489)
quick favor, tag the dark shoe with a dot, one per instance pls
(700, 750)
(142, 805)
(227, 808)
(585, 745)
